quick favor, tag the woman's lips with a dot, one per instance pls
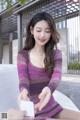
(42, 40)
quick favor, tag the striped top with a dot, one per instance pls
(34, 79)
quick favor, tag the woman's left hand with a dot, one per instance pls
(44, 97)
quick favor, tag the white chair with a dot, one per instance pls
(9, 90)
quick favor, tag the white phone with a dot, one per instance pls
(28, 107)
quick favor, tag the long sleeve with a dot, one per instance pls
(57, 72)
(22, 71)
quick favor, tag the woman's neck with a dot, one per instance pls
(38, 49)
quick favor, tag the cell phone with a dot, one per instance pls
(28, 107)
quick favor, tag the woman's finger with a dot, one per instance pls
(23, 97)
(42, 95)
(36, 106)
(44, 102)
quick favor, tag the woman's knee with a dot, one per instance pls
(68, 114)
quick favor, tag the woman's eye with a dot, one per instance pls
(47, 31)
(38, 30)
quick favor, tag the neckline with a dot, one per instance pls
(36, 67)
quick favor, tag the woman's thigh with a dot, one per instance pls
(67, 114)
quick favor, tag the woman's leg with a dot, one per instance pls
(15, 114)
(67, 114)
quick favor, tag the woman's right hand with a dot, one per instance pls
(23, 95)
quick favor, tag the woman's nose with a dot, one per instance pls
(42, 34)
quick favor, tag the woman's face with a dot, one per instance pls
(41, 32)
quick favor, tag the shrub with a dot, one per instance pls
(74, 66)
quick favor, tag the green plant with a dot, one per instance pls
(9, 3)
(74, 66)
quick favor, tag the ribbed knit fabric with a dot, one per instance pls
(34, 79)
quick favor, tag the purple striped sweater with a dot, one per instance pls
(34, 79)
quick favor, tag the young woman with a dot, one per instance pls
(40, 66)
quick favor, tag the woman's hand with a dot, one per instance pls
(23, 95)
(44, 97)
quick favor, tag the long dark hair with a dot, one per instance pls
(50, 45)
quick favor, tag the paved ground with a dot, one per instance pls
(70, 85)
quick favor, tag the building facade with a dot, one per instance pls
(63, 11)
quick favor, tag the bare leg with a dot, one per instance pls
(15, 114)
(67, 114)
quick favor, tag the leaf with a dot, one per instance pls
(9, 3)
(22, 1)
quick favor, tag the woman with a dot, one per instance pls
(40, 66)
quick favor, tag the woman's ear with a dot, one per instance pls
(31, 30)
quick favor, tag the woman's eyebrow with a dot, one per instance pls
(41, 28)
(38, 27)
